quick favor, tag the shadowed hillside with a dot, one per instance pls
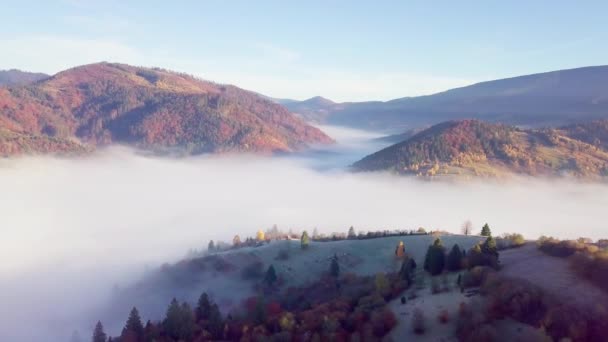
(472, 147)
(545, 99)
(104, 103)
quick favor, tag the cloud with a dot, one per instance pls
(74, 227)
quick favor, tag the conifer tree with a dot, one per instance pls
(351, 233)
(172, 324)
(215, 322)
(485, 230)
(434, 261)
(334, 268)
(134, 329)
(98, 334)
(407, 269)
(454, 261)
(179, 321)
(271, 276)
(203, 307)
(211, 246)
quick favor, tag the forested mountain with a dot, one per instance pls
(104, 103)
(546, 99)
(16, 77)
(476, 148)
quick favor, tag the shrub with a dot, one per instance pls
(382, 321)
(418, 323)
(475, 276)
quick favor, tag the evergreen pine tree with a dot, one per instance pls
(271, 276)
(211, 246)
(407, 269)
(134, 329)
(304, 240)
(172, 323)
(187, 322)
(351, 233)
(434, 261)
(485, 230)
(216, 324)
(98, 334)
(334, 268)
(203, 307)
(454, 260)
(489, 247)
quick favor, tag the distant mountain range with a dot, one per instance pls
(101, 104)
(476, 148)
(545, 99)
(16, 77)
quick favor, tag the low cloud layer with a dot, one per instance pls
(71, 228)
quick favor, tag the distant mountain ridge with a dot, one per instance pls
(476, 148)
(14, 77)
(105, 103)
(546, 99)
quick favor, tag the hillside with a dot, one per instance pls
(316, 109)
(476, 148)
(102, 104)
(594, 132)
(225, 278)
(16, 77)
(546, 99)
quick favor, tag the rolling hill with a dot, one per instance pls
(16, 77)
(476, 148)
(102, 104)
(546, 99)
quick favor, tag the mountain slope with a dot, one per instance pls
(316, 109)
(104, 103)
(551, 98)
(16, 77)
(477, 148)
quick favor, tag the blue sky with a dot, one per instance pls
(343, 50)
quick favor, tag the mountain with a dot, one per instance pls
(16, 77)
(155, 109)
(476, 148)
(546, 99)
(316, 109)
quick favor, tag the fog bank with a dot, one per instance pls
(71, 228)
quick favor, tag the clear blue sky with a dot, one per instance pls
(344, 50)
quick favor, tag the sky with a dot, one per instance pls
(343, 50)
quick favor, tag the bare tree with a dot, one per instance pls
(467, 227)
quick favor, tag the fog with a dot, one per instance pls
(73, 228)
